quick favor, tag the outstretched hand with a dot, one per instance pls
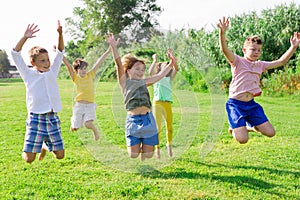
(171, 56)
(154, 57)
(110, 38)
(59, 27)
(223, 24)
(31, 30)
(295, 39)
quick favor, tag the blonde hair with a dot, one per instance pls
(252, 39)
(129, 60)
(35, 51)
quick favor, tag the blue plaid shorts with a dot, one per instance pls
(43, 128)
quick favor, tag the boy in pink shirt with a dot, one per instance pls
(241, 108)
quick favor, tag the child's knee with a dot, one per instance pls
(148, 154)
(133, 154)
(270, 133)
(241, 138)
(28, 157)
(59, 154)
(89, 124)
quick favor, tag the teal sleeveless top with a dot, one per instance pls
(163, 90)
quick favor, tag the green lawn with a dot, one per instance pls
(207, 164)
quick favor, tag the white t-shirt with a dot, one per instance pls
(42, 94)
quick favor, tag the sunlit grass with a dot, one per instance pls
(264, 168)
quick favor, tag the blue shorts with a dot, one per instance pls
(43, 128)
(244, 113)
(141, 129)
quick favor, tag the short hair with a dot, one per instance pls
(79, 63)
(129, 60)
(252, 39)
(35, 51)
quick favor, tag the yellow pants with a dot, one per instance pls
(163, 109)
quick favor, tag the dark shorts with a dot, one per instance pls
(43, 128)
(244, 113)
(141, 129)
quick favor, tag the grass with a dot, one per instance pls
(264, 168)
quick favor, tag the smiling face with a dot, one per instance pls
(39, 59)
(137, 71)
(41, 62)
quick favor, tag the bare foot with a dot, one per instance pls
(169, 147)
(73, 129)
(230, 131)
(252, 129)
(142, 157)
(158, 153)
(42, 154)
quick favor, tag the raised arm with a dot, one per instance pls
(120, 69)
(151, 70)
(69, 67)
(29, 33)
(100, 60)
(175, 70)
(61, 45)
(294, 40)
(223, 25)
(151, 80)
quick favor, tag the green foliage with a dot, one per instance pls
(202, 64)
(4, 62)
(274, 26)
(127, 18)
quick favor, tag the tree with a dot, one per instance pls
(128, 18)
(4, 62)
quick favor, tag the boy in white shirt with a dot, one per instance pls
(42, 97)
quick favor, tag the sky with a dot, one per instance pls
(15, 15)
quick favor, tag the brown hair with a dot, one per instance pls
(129, 60)
(35, 51)
(158, 68)
(252, 39)
(79, 63)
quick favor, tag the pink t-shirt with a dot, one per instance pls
(246, 76)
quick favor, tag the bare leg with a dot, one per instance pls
(147, 151)
(241, 134)
(60, 154)
(158, 152)
(266, 129)
(90, 125)
(134, 151)
(43, 153)
(28, 157)
(170, 152)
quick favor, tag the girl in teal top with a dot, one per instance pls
(162, 102)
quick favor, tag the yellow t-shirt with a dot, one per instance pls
(85, 90)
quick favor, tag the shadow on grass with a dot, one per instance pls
(256, 168)
(239, 180)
